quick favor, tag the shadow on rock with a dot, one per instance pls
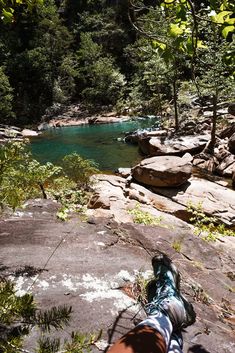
(28, 271)
(197, 348)
(121, 325)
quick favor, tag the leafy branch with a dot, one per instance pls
(18, 315)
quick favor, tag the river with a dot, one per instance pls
(101, 143)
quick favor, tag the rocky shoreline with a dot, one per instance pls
(192, 137)
(97, 119)
(13, 133)
(75, 115)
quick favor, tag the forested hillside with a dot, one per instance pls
(112, 53)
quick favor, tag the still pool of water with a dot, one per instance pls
(98, 142)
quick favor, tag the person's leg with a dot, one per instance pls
(176, 343)
(167, 309)
(146, 339)
(167, 298)
(151, 335)
(142, 339)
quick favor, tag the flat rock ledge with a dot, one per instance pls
(13, 133)
(115, 196)
(96, 266)
(156, 146)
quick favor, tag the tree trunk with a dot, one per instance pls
(211, 145)
(214, 119)
(43, 191)
(175, 98)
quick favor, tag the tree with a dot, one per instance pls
(6, 98)
(39, 46)
(148, 85)
(38, 62)
(167, 28)
(7, 10)
(215, 60)
(183, 35)
(22, 177)
(100, 79)
(79, 169)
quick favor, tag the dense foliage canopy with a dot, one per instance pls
(128, 54)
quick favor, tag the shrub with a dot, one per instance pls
(6, 98)
(22, 177)
(79, 169)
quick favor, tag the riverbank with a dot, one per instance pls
(192, 137)
(76, 115)
(96, 119)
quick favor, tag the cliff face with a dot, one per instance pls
(95, 266)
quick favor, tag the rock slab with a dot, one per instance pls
(163, 171)
(155, 146)
(216, 200)
(95, 267)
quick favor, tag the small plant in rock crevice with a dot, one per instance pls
(143, 217)
(200, 295)
(177, 245)
(205, 226)
(139, 289)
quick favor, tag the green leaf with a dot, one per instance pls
(175, 30)
(7, 15)
(226, 30)
(181, 13)
(220, 17)
(160, 45)
(55, 317)
(200, 44)
(62, 214)
(230, 21)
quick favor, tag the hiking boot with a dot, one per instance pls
(168, 298)
(165, 271)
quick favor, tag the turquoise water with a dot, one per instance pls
(97, 142)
